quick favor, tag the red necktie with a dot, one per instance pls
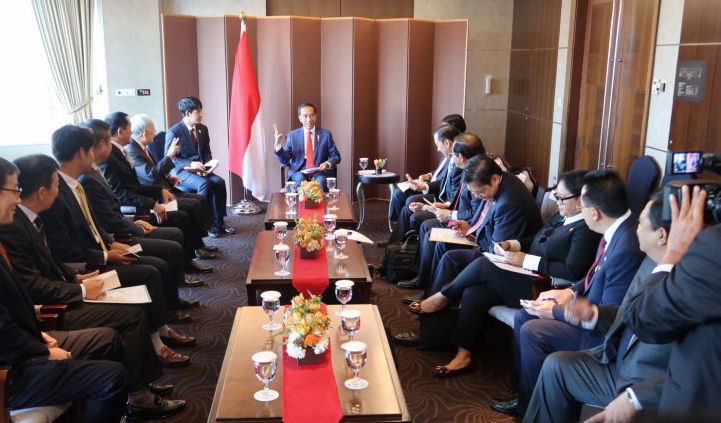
(458, 198)
(309, 151)
(195, 139)
(4, 255)
(592, 270)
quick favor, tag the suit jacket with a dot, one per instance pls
(641, 362)
(188, 152)
(106, 205)
(20, 338)
(68, 231)
(147, 170)
(468, 205)
(47, 279)
(293, 155)
(446, 188)
(566, 251)
(122, 178)
(682, 307)
(514, 214)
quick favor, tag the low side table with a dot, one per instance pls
(366, 178)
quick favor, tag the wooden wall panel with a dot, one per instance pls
(517, 136)
(701, 21)
(519, 84)
(536, 24)
(378, 9)
(542, 83)
(180, 62)
(305, 53)
(449, 69)
(316, 8)
(421, 153)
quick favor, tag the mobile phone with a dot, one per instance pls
(131, 255)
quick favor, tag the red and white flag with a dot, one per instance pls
(246, 137)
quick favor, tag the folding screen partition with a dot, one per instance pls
(380, 86)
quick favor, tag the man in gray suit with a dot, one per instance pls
(623, 373)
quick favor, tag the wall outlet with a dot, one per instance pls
(125, 92)
(658, 86)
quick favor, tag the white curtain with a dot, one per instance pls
(66, 32)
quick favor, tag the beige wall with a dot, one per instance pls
(489, 52)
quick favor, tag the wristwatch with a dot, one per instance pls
(629, 397)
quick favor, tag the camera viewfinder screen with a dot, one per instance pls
(686, 162)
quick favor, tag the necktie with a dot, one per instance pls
(147, 153)
(592, 270)
(458, 198)
(194, 138)
(479, 222)
(446, 179)
(39, 225)
(309, 151)
(4, 255)
(89, 217)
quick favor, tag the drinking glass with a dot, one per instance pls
(332, 183)
(341, 239)
(329, 221)
(282, 256)
(290, 186)
(281, 230)
(364, 162)
(265, 368)
(333, 194)
(344, 293)
(290, 200)
(271, 304)
(356, 355)
(350, 322)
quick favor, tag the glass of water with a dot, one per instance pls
(333, 194)
(363, 162)
(281, 230)
(271, 304)
(265, 368)
(356, 355)
(344, 293)
(329, 220)
(282, 256)
(290, 186)
(341, 239)
(332, 183)
(350, 322)
(290, 199)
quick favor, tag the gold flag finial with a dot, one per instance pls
(242, 14)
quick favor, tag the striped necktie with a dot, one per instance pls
(89, 217)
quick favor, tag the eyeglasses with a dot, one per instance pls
(16, 190)
(581, 207)
(554, 193)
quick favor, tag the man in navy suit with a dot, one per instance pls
(541, 328)
(307, 148)
(194, 143)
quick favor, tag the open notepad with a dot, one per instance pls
(450, 236)
(114, 294)
(208, 167)
(500, 262)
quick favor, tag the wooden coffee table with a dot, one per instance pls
(263, 266)
(381, 401)
(277, 208)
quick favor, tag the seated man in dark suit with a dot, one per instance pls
(74, 237)
(399, 198)
(162, 242)
(541, 329)
(308, 147)
(50, 369)
(120, 174)
(49, 281)
(194, 144)
(622, 364)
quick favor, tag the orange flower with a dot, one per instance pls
(310, 340)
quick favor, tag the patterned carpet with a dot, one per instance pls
(430, 400)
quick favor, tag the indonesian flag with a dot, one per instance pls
(246, 137)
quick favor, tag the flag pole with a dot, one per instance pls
(245, 206)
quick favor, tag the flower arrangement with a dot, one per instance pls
(310, 190)
(306, 326)
(381, 163)
(308, 233)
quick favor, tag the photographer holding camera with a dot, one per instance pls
(681, 304)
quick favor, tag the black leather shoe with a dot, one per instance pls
(203, 254)
(381, 244)
(505, 405)
(226, 230)
(409, 338)
(408, 299)
(163, 408)
(411, 284)
(177, 316)
(210, 248)
(161, 390)
(195, 267)
(191, 282)
(187, 305)
(214, 232)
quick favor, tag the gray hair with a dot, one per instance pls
(140, 123)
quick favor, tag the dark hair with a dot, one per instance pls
(68, 140)
(655, 212)
(446, 132)
(455, 120)
(480, 170)
(468, 145)
(300, 108)
(117, 120)
(573, 181)
(606, 191)
(6, 169)
(100, 129)
(188, 104)
(36, 171)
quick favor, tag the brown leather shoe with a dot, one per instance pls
(175, 339)
(178, 316)
(170, 358)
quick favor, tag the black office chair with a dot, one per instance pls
(157, 147)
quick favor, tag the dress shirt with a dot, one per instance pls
(73, 184)
(448, 175)
(439, 168)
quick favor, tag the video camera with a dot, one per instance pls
(692, 163)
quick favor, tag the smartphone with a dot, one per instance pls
(133, 255)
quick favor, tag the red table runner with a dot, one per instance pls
(310, 275)
(309, 391)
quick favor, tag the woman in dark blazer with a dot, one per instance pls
(564, 248)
